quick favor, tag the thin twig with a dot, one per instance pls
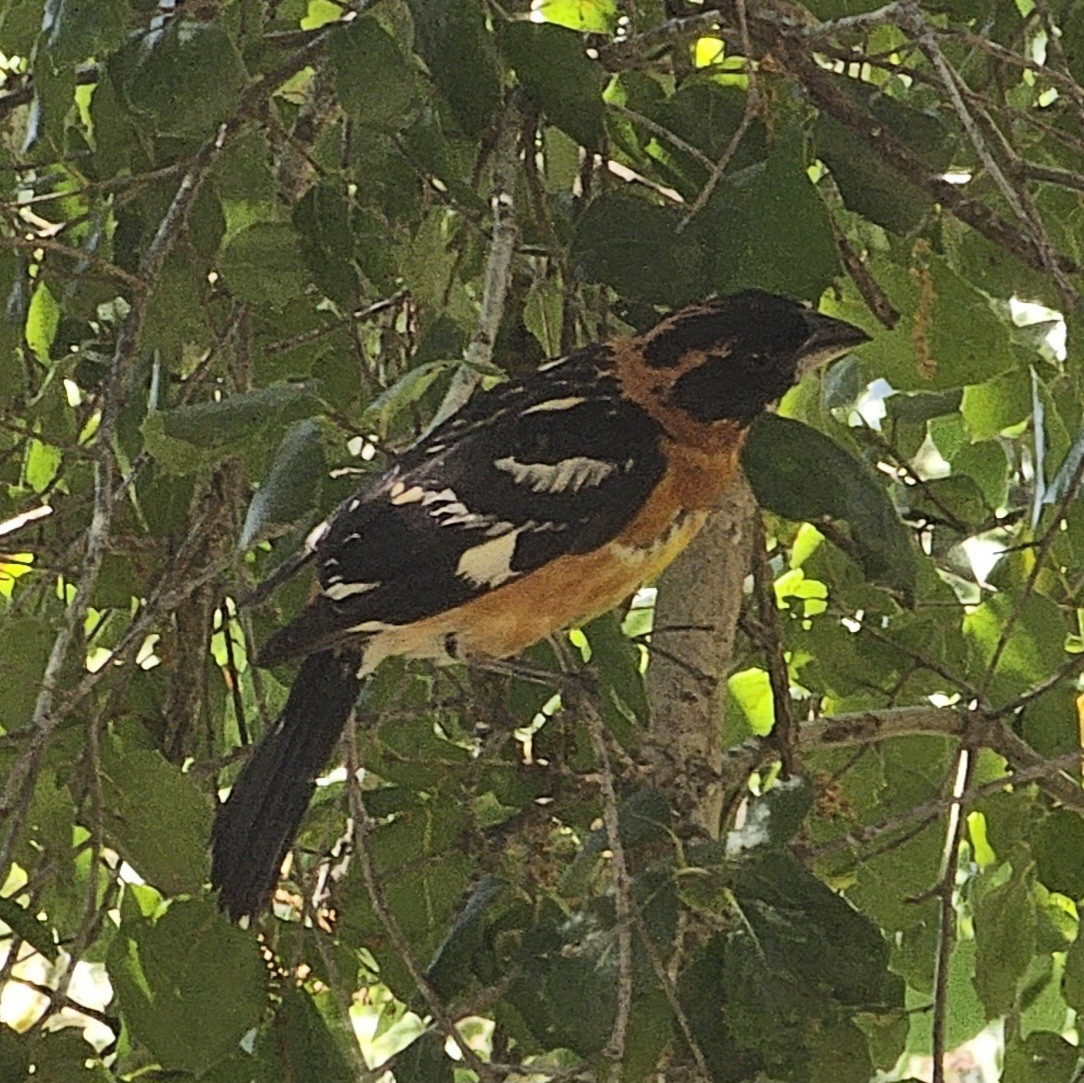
(784, 732)
(720, 167)
(103, 266)
(663, 133)
(946, 926)
(363, 827)
(670, 992)
(615, 1050)
(639, 49)
(1046, 543)
(351, 318)
(46, 718)
(1040, 772)
(498, 276)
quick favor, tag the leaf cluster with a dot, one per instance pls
(244, 249)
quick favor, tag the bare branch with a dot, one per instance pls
(20, 781)
(363, 827)
(946, 927)
(615, 1050)
(498, 267)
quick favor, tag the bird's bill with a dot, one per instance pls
(828, 339)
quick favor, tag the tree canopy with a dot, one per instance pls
(814, 810)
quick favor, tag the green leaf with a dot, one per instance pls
(375, 83)
(290, 490)
(301, 1043)
(42, 463)
(566, 983)
(1057, 842)
(1041, 1057)
(263, 263)
(804, 930)
(1067, 470)
(762, 218)
(634, 246)
(184, 79)
(451, 966)
(25, 643)
(403, 394)
(76, 30)
(1034, 646)
(702, 995)
(162, 972)
(451, 37)
(176, 316)
(424, 1060)
(1073, 980)
(751, 690)
(1051, 724)
(1072, 40)
(839, 1051)
(156, 817)
(557, 75)
(20, 23)
(923, 405)
(14, 1056)
(617, 660)
(322, 220)
(591, 16)
(185, 437)
(957, 340)
(50, 110)
(542, 315)
(868, 184)
(63, 1056)
(26, 926)
(966, 1014)
(799, 473)
(987, 465)
(42, 321)
(1004, 942)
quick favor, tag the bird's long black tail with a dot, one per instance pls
(256, 825)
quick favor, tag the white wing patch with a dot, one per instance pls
(554, 363)
(556, 404)
(338, 591)
(316, 535)
(490, 563)
(568, 475)
(400, 494)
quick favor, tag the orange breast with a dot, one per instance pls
(575, 588)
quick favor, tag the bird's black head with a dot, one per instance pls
(746, 351)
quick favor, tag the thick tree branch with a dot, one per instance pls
(701, 592)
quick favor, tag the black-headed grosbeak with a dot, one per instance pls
(541, 503)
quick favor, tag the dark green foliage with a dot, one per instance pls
(243, 250)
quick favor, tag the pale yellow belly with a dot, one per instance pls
(569, 590)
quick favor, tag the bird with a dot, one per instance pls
(541, 503)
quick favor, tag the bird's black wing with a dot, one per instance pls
(558, 463)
